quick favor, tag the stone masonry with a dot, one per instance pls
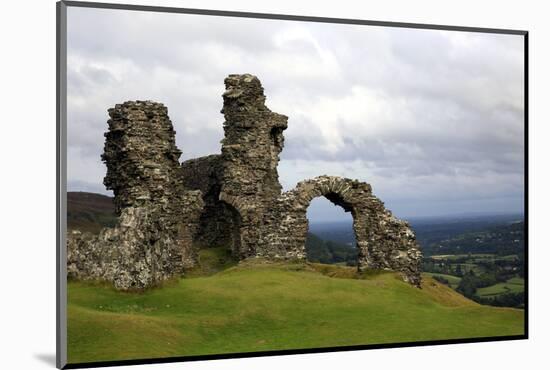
(158, 216)
(233, 199)
(250, 154)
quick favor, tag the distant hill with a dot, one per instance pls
(504, 239)
(431, 231)
(328, 251)
(338, 231)
(89, 211)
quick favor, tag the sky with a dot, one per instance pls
(433, 120)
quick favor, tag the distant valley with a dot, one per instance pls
(480, 256)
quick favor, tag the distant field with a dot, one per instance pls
(465, 267)
(473, 257)
(516, 280)
(261, 307)
(453, 280)
(514, 285)
(508, 258)
(457, 256)
(471, 262)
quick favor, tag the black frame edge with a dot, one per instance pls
(289, 352)
(526, 181)
(228, 13)
(61, 193)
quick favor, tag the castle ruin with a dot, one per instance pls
(168, 211)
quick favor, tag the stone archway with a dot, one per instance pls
(246, 223)
(383, 241)
(295, 203)
(231, 227)
(330, 237)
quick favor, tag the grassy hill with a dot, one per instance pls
(225, 307)
(89, 211)
(257, 306)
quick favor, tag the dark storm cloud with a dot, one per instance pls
(433, 119)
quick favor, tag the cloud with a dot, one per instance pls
(433, 119)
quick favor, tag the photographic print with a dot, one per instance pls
(240, 185)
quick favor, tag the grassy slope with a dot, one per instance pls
(257, 307)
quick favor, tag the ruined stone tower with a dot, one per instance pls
(158, 216)
(141, 157)
(233, 199)
(250, 154)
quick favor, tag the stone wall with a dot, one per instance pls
(159, 217)
(219, 222)
(233, 199)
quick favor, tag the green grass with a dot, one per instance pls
(514, 285)
(516, 280)
(261, 307)
(211, 261)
